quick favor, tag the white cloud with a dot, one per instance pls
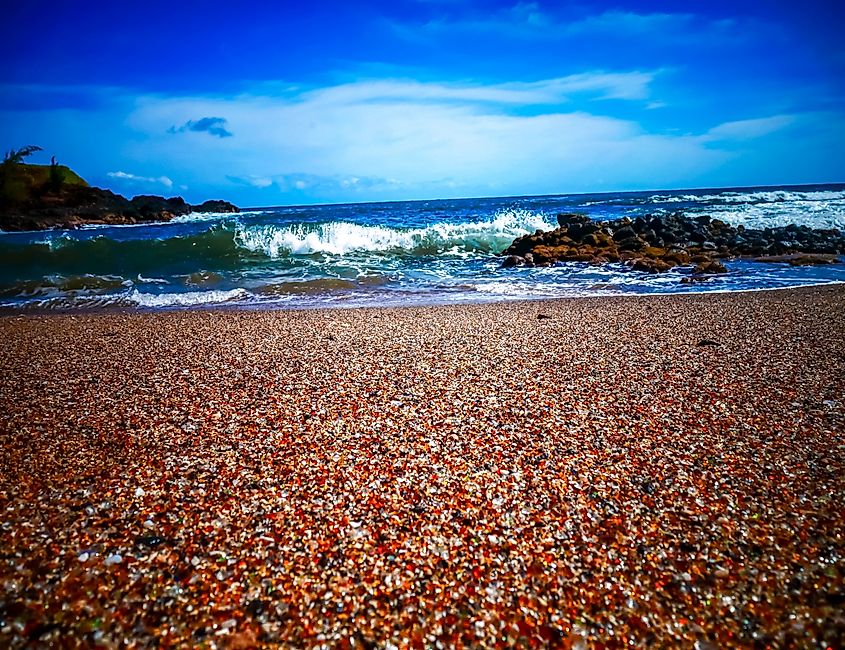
(133, 178)
(301, 182)
(749, 129)
(604, 85)
(252, 180)
(429, 139)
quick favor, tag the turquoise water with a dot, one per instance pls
(381, 253)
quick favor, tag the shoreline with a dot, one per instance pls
(271, 306)
(665, 469)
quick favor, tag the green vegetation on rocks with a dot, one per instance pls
(38, 197)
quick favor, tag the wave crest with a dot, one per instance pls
(343, 237)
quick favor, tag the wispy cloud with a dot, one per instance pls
(212, 125)
(251, 180)
(304, 182)
(529, 20)
(521, 19)
(597, 84)
(629, 22)
(145, 180)
(749, 129)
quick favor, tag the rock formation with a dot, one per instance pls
(38, 197)
(658, 243)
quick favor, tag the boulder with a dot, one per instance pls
(591, 240)
(710, 267)
(513, 260)
(566, 219)
(631, 244)
(626, 232)
(650, 265)
(577, 231)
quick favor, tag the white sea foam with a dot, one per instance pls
(335, 238)
(143, 280)
(215, 216)
(341, 237)
(774, 196)
(766, 209)
(186, 299)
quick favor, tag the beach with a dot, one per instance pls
(612, 471)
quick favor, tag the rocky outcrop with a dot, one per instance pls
(216, 206)
(654, 244)
(30, 201)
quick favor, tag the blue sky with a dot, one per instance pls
(289, 104)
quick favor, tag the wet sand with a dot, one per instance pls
(664, 470)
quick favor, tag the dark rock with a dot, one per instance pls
(76, 205)
(699, 235)
(707, 342)
(626, 232)
(676, 257)
(651, 237)
(573, 231)
(799, 259)
(216, 205)
(631, 244)
(589, 228)
(642, 243)
(578, 231)
(641, 226)
(669, 236)
(158, 208)
(710, 267)
(513, 260)
(650, 265)
(569, 218)
(543, 317)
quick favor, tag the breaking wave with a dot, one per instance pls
(764, 209)
(775, 196)
(342, 237)
(231, 244)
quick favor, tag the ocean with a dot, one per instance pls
(367, 254)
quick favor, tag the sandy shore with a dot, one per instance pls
(469, 475)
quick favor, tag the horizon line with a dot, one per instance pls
(553, 195)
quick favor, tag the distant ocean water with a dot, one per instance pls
(399, 253)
